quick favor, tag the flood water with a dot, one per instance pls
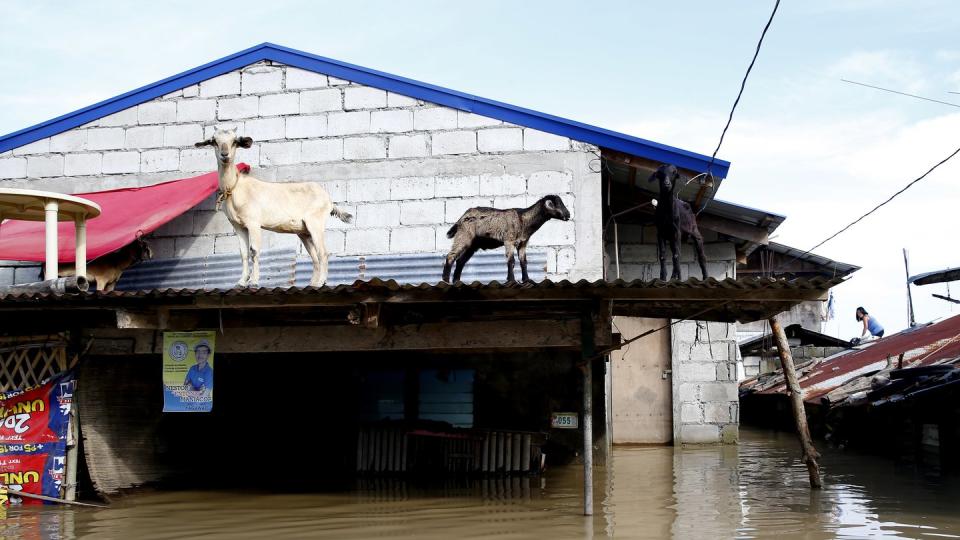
(755, 490)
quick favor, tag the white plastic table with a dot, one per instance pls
(51, 207)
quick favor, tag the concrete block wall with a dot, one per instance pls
(807, 314)
(407, 169)
(761, 365)
(703, 356)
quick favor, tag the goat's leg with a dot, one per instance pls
(462, 261)
(510, 249)
(456, 251)
(675, 254)
(244, 240)
(662, 255)
(701, 256)
(254, 233)
(312, 252)
(523, 262)
(316, 229)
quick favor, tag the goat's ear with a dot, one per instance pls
(549, 204)
(653, 177)
(208, 142)
(244, 142)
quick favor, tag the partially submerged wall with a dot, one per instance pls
(407, 169)
(702, 356)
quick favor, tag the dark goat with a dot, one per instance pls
(489, 228)
(106, 270)
(675, 218)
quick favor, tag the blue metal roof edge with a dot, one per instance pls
(378, 79)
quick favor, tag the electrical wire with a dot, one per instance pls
(874, 209)
(900, 93)
(743, 85)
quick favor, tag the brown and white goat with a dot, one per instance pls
(106, 270)
(300, 208)
(490, 228)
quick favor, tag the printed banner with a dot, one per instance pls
(33, 433)
(37, 469)
(188, 371)
(38, 414)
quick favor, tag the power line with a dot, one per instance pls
(902, 93)
(874, 209)
(743, 85)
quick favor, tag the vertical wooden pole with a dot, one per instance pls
(73, 454)
(810, 453)
(586, 351)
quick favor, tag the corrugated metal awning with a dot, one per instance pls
(727, 300)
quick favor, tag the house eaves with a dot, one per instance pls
(408, 87)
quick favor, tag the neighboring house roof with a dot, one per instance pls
(377, 79)
(939, 276)
(756, 344)
(788, 260)
(928, 345)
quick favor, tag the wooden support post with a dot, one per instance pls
(586, 351)
(73, 453)
(810, 453)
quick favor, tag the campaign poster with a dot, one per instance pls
(188, 371)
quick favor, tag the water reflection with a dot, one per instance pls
(755, 490)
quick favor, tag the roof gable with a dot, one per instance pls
(377, 79)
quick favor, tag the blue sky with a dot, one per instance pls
(803, 143)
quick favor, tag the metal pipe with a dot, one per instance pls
(58, 286)
(616, 246)
(586, 351)
(50, 209)
(588, 440)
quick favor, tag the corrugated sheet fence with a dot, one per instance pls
(392, 450)
(282, 268)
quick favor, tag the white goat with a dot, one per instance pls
(299, 208)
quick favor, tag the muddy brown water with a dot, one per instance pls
(755, 490)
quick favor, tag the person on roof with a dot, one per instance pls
(869, 325)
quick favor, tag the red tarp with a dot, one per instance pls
(125, 212)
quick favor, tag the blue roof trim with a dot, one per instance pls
(385, 81)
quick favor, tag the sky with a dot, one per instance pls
(802, 143)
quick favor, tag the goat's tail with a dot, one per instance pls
(453, 230)
(344, 216)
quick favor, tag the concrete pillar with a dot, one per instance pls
(51, 267)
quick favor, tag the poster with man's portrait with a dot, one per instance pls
(188, 371)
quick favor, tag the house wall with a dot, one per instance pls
(702, 355)
(806, 314)
(407, 169)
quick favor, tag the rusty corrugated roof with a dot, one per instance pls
(922, 346)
